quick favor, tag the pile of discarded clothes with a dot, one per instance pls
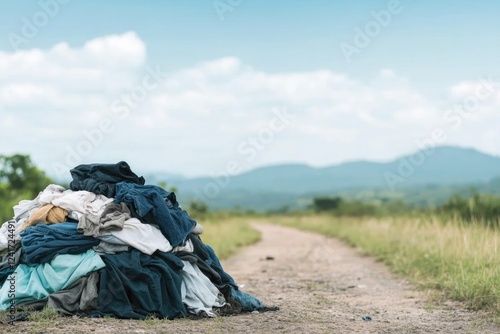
(112, 246)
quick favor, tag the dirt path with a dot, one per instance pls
(321, 286)
(324, 286)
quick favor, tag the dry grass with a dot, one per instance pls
(227, 234)
(460, 259)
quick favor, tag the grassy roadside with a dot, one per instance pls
(460, 260)
(226, 233)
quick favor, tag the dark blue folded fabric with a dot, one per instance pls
(101, 178)
(134, 285)
(5, 273)
(41, 243)
(153, 205)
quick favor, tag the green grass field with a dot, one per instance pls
(460, 260)
(226, 233)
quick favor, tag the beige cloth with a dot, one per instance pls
(48, 214)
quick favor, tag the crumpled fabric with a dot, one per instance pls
(39, 281)
(109, 248)
(79, 298)
(153, 205)
(48, 214)
(5, 273)
(9, 233)
(134, 285)
(10, 257)
(197, 229)
(198, 293)
(82, 202)
(23, 210)
(207, 261)
(112, 218)
(211, 274)
(144, 237)
(187, 247)
(101, 178)
(50, 193)
(41, 243)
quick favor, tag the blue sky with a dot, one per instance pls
(226, 73)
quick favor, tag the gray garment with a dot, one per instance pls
(11, 258)
(79, 297)
(198, 293)
(111, 219)
(109, 248)
(197, 229)
(111, 239)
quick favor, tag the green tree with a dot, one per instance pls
(19, 179)
(326, 203)
(197, 209)
(164, 185)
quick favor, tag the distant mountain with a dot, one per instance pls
(276, 186)
(452, 166)
(162, 177)
(492, 187)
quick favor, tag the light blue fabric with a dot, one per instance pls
(35, 282)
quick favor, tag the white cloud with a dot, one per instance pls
(65, 75)
(194, 122)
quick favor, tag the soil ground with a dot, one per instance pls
(321, 286)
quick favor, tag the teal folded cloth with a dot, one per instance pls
(33, 282)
